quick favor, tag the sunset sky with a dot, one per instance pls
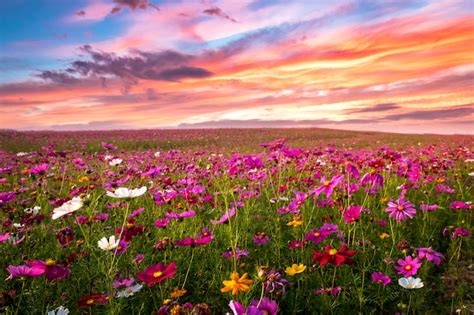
(403, 66)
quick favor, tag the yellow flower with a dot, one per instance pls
(294, 269)
(236, 283)
(83, 179)
(296, 222)
(384, 235)
(177, 292)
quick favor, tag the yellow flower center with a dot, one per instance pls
(399, 208)
(317, 234)
(332, 252)
(50, 262)
(408, 267)
(326, 183)
(90, 301)
(157, 274)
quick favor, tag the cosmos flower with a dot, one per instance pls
(39, 169)
(408, 267)
(401, 209)
(334, 256)
(263, 307)
(236, 283)
(52, 270)
(327, 186)
(61, 310)
(93, 299)
(129, 291)
(294, 269)
(65, 236)
(115, 162)
(108, 146)
(108, 244)
(225, 217)
(352, 214)
(316, 236)
(24, 271)
(430, 255)
(154, 274)
(274, 282)
(329, 291)
(457, 205)
(123, 192)
(239, 253)
(260, 238)
(70, 206)
(410, 283)
(380, 277)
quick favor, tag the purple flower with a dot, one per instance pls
(239, 253)
(460, 232)
(6, 197)
(274, 282)
(162, 223)
(429, 208)
(400, 210)
(260, 238)
(316, 236)
(52, 271)
(380, 277)
(123, 282)
(65, 236)
(136, 212)
(430, 255)
(329, 291)
(108, 146)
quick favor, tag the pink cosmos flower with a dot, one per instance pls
(408, 267)
(225, 217)
(51, 270)
(24, 271)
(380, 277)
(430, 255)
(400, 210)
(316, 236)
(352, 214)
(4, 237)
(327, 186)
(260, 238)
(154, 274)
(39, 169)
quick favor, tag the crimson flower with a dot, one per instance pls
(334, 256)
(156, 273)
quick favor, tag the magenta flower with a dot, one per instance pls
(225, 217)
(458, 205)
(4, 237)
(108, 146)
(156, 273)
(24, 271)
(329, 291)
(162, 223)
(408, 267)
(352, 214)
(260, 238)
(39, 169)
(429, 208)
(430, 255)
(51, 270)
(239, 253)
(400, 210)
(136, 212)
(65, 236)
(460, 232)
(327, 186)
(316, 236)
(380, 277)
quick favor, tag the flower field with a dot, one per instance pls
(239, 222)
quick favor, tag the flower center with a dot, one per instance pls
(90, 301)
(333, 252)
(400, 208)
(157, 274)
(317, 234)
(326, 183)
(408, 267)
(50, 262)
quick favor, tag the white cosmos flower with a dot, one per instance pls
(471, 174)
(108, 157)
(123, 192)
(129, 291)
(59, 311)
(157, 154)
(108, 244)
(410, 283)
(33, 211)
(20, 154)
(68, 207)
(115, 162)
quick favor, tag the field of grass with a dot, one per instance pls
(245, 221)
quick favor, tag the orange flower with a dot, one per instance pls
(236, 283)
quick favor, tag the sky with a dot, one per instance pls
(381, 65)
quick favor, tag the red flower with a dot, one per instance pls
(93, 299)
(156, 273)
(334, 256)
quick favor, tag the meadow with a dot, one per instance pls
(238, 221)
